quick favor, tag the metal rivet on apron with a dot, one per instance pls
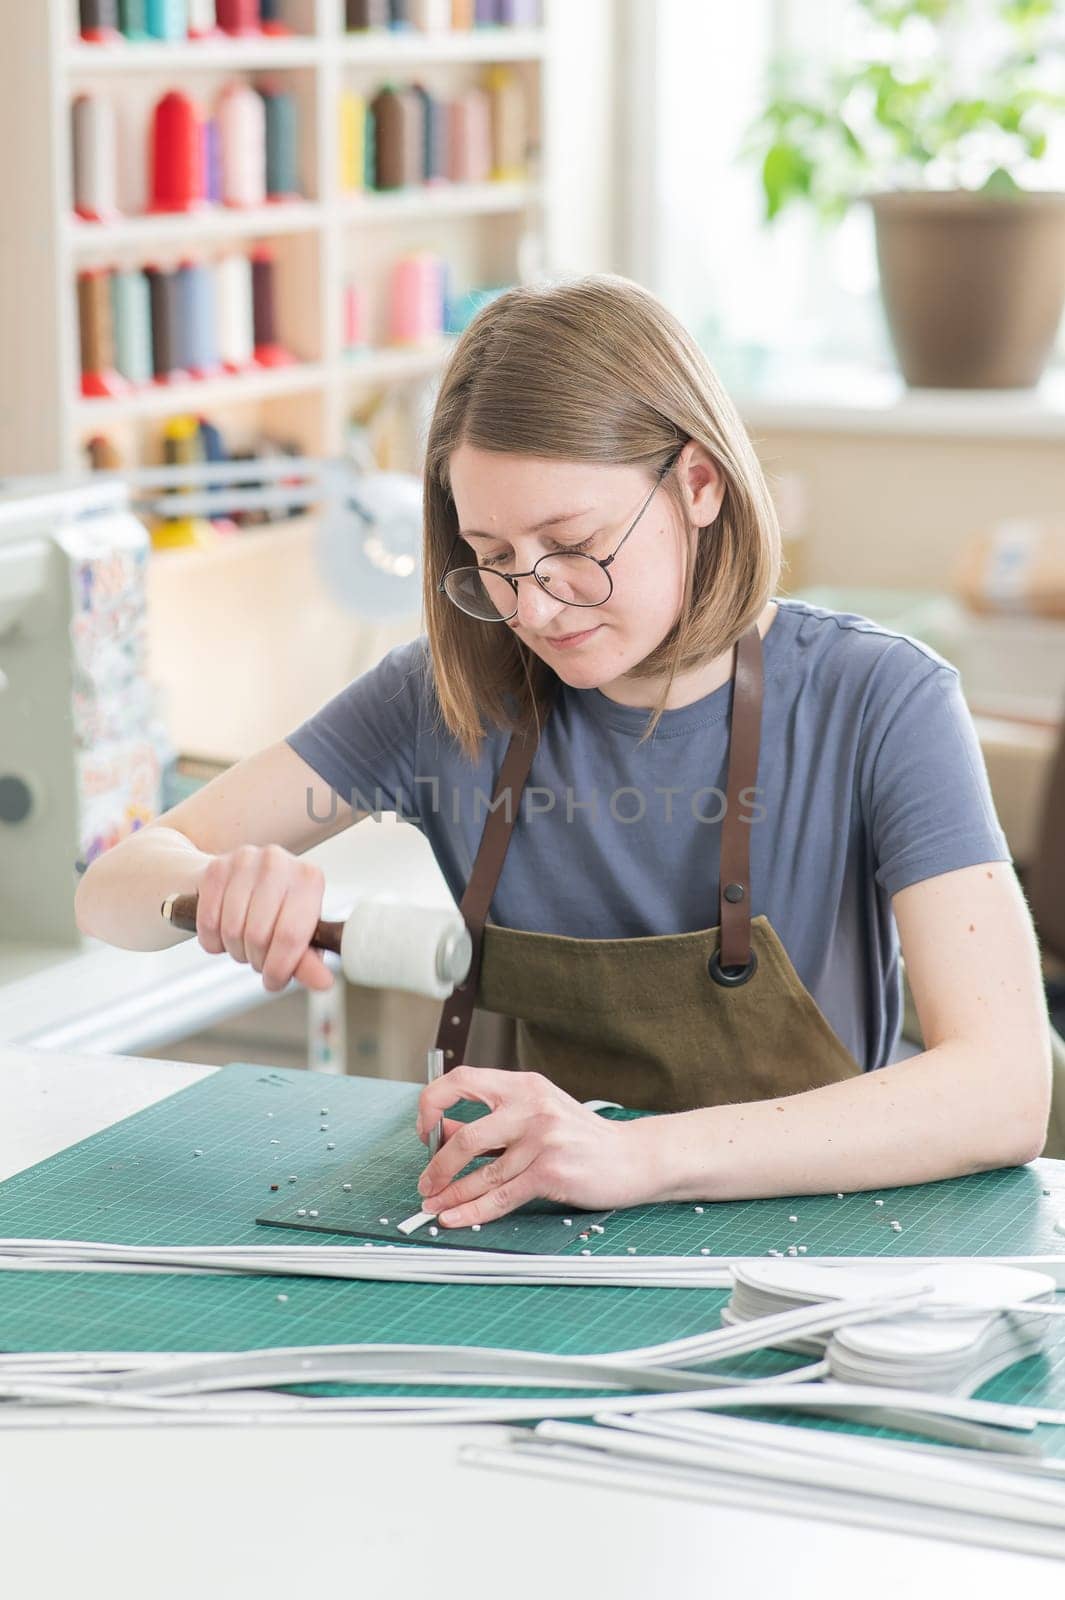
(450, 1054)
(731, 977)
(734, 892)
(455, 1021)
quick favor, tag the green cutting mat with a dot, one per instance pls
(141, 1181)
(382, 1189)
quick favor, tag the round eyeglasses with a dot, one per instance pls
(569, 576)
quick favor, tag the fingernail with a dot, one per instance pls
(424, 1186)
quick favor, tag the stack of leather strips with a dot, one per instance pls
(977, 1319)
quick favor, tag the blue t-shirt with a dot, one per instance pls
(870, 778)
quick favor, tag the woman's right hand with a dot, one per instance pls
(261, 904)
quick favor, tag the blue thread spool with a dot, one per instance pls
(282, 144)
(168, 19)
(132, 321)
(199, 318)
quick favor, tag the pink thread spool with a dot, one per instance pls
(469, 140)
(415, 302)
(177, 155)
(355, 318)
(242, 134)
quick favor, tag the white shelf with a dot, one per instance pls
(267, 383)
(194, 227)
(861, 401)
(383, 48)
(438, 200)
(222, 54)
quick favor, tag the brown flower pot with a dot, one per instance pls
(973, 285)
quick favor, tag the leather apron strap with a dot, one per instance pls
(457, 1013)
(734, 961)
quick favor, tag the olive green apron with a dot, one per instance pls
(663, 1023)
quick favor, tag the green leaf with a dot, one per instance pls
(1001, 182)
(787, 175)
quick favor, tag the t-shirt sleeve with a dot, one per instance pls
(929, 800)
(362, 742)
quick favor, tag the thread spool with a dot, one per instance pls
(241, 118)
(98, 21)
(273, 19)
(416, 312)
(486, 13)
(282, 144)
(388, 120)
(166, 337)
(93, 132)
(234, 296)
(177, 155)
(132, 319)
(509, 124)
(212, 161)
(269, 351)
(199, 337)
(103, 454)
(96, 337)
(133, 19)
(462, 15)
(183, 352)
(431, 16)
(352, 141)
(519, 13)
(469, 148)
(203, 20)
(399, 138)
(433, 160)
(168, 19)
(181, 447)
(355, 321)
(239, 16)
(399, 15)
(362, 14)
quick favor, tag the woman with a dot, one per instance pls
(687, 823)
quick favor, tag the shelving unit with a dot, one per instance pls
(489, 233)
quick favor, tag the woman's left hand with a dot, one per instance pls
(546, 1146)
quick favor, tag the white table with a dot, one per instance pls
(180, 1513)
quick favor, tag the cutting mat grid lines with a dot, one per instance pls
(139, 1182)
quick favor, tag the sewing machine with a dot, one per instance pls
(80, 749)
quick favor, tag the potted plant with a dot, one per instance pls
(939, 119)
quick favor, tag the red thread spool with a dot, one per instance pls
(239, 16)
(269, 352)
(177, 155)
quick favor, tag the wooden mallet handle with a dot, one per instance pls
(180, 911)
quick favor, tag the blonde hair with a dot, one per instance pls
(592, 369)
